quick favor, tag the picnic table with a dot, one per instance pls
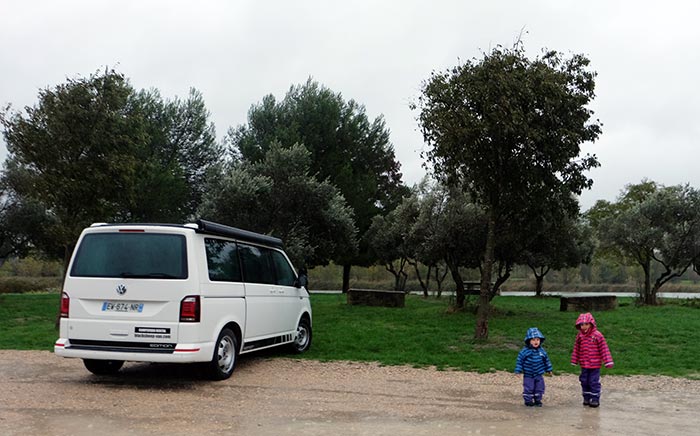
(587, 301)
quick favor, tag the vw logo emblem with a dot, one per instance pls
(121, 289)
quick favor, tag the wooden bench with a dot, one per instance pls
(374, 297)
(472, 288)
(587, 302)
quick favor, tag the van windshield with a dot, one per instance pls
(131, 255)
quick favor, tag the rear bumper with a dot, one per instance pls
(180, 353)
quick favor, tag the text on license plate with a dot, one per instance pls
(109, 306)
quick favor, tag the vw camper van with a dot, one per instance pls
(201, 292)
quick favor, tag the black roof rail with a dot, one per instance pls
(212, 228)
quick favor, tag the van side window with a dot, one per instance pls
(285, 274)
(257, 264)
(222, 260)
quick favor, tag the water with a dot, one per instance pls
(670, 295)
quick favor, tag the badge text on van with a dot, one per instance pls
(152, 332)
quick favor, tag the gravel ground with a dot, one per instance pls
(41, 394)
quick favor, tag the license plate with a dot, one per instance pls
(110, 306)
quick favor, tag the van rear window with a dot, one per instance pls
(131, 255)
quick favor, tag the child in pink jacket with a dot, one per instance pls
(590, 353)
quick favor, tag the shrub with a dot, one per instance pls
(20, 285)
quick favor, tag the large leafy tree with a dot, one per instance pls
(178, 151)
(94, 149)
(508, 130)
(655, 226)
(346, 148)
(278, 195)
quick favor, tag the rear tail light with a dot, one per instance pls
(189, 309)
(65, 304)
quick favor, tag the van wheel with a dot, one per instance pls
(303, 339)
(103, 367)
(225, 354)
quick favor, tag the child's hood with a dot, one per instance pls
(533, 332)
(585, 317)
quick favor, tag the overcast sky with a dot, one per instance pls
(377, 53)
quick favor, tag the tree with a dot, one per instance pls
(449, 228)
(429, 200)
(661, 227)
(18, 223)
(508, 130)
(277, 195)
(389, 239)
(174, 159)
(346, 148)
(93, 149)
(561, 243)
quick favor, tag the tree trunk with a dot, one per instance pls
(423, 284)
(499, 281)
(346, 278)
(651, 298)
(397, 280)
(439, 279)
(402, 281)
(538, 285)
(483, 312)
(647, 296)
(459, 285)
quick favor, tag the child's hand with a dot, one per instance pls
(609, 365)
(549, 374)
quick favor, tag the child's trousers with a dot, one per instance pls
(533, 388)
(590, 384)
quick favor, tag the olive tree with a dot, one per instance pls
(508, 130)
(660, 228)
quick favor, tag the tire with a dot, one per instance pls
(225, 355)
(302, 342)
(103, 367)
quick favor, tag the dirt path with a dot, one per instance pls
(41, 394)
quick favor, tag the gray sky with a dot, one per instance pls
(377, 53)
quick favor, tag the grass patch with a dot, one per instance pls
(643, 340)
(27, 321)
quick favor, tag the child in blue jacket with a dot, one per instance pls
(533, 362)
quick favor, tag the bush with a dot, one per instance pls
(31, 267)
(21, 285)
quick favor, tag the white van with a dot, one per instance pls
(200, 292)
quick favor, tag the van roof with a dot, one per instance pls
(212, 228)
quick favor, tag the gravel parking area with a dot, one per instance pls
(41, 394)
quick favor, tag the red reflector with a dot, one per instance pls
(132, 230)
(65, 305)
(189, 309)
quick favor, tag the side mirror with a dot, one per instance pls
(302, 281)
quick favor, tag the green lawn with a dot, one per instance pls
(643, 340)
